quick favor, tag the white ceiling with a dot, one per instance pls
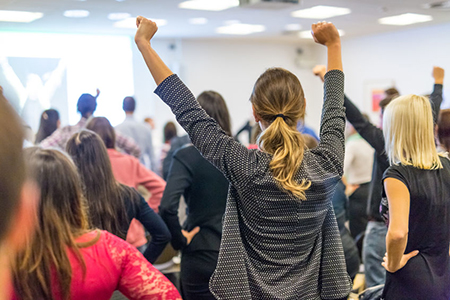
(362, 20)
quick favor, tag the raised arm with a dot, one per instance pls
(331, 146)
(436, 95)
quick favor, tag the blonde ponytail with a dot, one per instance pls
(278, 100)
(287, 146)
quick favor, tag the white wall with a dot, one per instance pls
(405, 57)
(230, 68)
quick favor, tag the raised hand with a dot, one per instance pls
(438, 75)
(325, 33)
(146, 30)
(320, 71)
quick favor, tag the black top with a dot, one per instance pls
(175, 144)
(273, 246)
(205, 191)
(374, 136)
(152, 222)
(427, 275)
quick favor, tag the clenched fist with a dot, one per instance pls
(325, 33)
(146, 30)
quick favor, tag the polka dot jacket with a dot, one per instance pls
(273, 245)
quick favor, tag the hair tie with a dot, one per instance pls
(280, 116)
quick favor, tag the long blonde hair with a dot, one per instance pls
(278, 99)
(61, 218)
(409, 133)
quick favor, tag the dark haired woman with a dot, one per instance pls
(129, 171)
(67, 259)
(112, 206)
(205, 192)
(49, 123)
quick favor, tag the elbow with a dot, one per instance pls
(398, 235)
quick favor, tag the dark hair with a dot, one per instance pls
(62, 217)
(104, 129)
(12, 174)
(170, 131)
(86, 105)
(129, 104)
(49, 123)
(444, 128)
(105, 196)
(391, 94)
(215, 106)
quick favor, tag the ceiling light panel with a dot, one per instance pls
(211, 5)
(198, 21)
(131, 23)
(321, 12)
(76, 13)
(240, 29)
(118, 16)
(19, 16)
(405, 19)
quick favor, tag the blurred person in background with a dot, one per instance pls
(139, 132)
(49, 123)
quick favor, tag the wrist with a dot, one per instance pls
(333, 45)
(142, 44)
(439, 81)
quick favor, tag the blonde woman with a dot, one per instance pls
(280, 238)
(417, 189)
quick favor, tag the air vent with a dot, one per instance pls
(443, 5)
(268, 4)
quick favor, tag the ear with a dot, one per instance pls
(255, 115)
(24, 220)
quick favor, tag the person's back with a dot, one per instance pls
(280, 238)
(139, 132)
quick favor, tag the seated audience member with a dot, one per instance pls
(444, 129)
(358, 164)
(49, 123)
(170, 132)
(129, 171)
(86, 106)
(139, 132)
(67, 259)
(18, 198)
(205, 192)
(417, 207)
(374, 245)
(280, 237)
(112, 206)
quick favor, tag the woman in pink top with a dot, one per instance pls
(129, 171)
(68, 260)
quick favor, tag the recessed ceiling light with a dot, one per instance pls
(131, 23)
(19, 16)
(240, 29)
(321, 12)
(118, 16)
(405, 19)
(213, 5)
(292, 27)
(306, 34)
(76, 13)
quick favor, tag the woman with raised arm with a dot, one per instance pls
(112, 205)
(280, 238)
(66, 258)
(416, 203)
